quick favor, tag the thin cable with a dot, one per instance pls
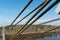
(51, 21)
(40, 16)
(50, 29)
(28, 14)
(45, 32)
(34, 15)
(22, 11)
(30, 19)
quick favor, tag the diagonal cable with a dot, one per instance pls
(57, 1)
(51, 21)
(47, 1)
(40, 15)
(50, 29)
(34, 15)
(22, 11)
(28, 14)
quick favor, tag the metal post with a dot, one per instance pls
(3, 33)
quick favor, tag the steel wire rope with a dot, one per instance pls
(22, 11)
(50, 29)
(51, 21)
(30, 19)
(57, 1)
(28, 14)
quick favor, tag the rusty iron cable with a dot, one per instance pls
(22, 11)
(30, 19)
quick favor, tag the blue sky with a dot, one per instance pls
(9, 9)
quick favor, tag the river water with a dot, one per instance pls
(47, 38)
(51, 37)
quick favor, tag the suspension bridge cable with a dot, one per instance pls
(29, 14)
(22, 11)
(50, 29)
(40, 15)
(35, 14)
(46, 32)
(51, 21)
(46, 2)
(57, 1)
